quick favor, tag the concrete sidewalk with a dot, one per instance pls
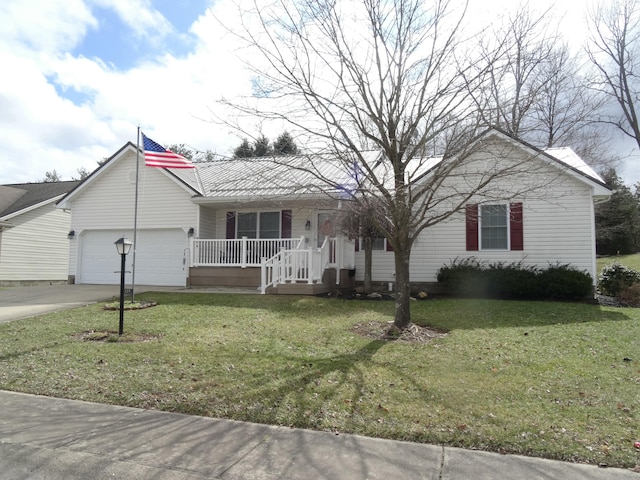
(49, 438)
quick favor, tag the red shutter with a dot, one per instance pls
(389, 247)
(472, 227)
(515, 221)
(357, 240)
(285, 224)
(231, 225)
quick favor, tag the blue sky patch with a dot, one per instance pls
(69, 93)
(116, 43)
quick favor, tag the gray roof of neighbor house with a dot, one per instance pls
(20, 196)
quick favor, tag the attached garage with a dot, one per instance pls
(161, 257)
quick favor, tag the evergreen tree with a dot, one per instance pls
(262, 147)
(244, 150)
(285, 145)
(618, 220)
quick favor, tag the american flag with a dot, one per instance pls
(155, 155)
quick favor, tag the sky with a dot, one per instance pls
(80, 76)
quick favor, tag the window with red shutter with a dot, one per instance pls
(516, 226)
(472, 227)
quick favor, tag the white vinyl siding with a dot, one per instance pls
(109, 201)
(208, 220)
(36, 248)
(558, 227)
(108, 204)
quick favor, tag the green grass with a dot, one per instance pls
(545, 379)
(631, 261)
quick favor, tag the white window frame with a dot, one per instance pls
(507, 227)
(258, 215)
(377, 239)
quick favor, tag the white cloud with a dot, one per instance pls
(43, 130)
(43, 25)
(139, 15)
(61, 111)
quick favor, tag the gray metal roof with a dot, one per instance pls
(295, 176)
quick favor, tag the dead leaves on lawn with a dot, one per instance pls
(387, 331)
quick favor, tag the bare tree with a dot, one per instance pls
(515, 57)
(51, 176)
(614, 50)
(564, 105)
(392, 76)
(82, 174)
(536, 90)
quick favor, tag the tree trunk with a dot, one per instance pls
(403, 289)
(368, 261)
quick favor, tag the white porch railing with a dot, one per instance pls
(306, 265)
(244, 252)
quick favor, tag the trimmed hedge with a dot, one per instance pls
(471, 278)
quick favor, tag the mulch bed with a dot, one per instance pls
(112, 336)
(386, 331)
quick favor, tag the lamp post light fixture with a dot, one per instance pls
(123, 245)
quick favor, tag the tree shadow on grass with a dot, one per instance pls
(315, 392)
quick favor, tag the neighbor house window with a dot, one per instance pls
(494, 227)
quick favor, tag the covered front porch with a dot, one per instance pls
(277, 266)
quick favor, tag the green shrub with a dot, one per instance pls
(472, 278)
(464, 277)
(615, 278)
(564, 282)
(630, 296)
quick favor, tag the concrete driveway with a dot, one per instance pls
(23, 302)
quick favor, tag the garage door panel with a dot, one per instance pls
(159, 257)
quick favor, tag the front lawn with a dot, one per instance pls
(549, 379)
(629, 261)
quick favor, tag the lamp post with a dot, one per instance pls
(123, 245)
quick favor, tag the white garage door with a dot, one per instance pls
(160, 256)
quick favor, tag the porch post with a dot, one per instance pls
(263, 275)
(284, 259)
(339, 255)
(243, 253)
(192, 253)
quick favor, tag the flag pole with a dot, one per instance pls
(135, 220)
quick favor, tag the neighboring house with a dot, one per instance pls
(34, 244)
(253, 222)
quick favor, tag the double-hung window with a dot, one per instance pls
(494, 227)
(258, 225)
